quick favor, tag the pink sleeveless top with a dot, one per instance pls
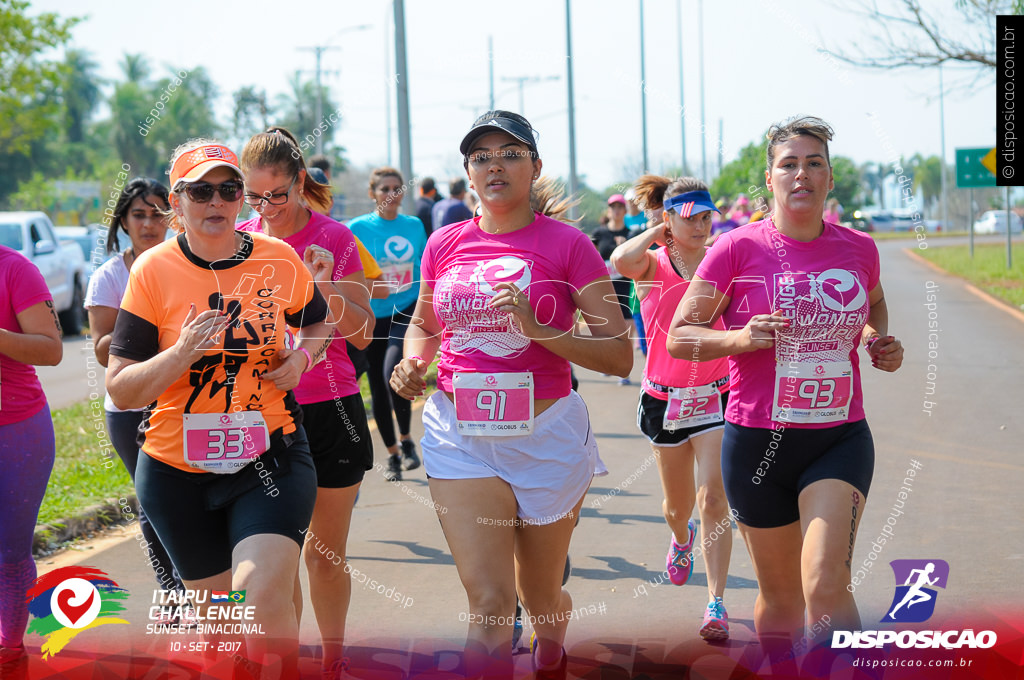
(657, 308)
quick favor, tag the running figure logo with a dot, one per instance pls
(914, 600)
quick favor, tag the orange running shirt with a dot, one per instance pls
(263, 289)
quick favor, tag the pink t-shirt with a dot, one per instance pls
(335, 376)
(21, 286)
(822, 287)
(657, 308)
(547, 259)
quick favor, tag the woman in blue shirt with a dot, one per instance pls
(397, 243)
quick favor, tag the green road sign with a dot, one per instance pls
(974, 169)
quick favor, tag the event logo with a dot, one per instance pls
(914, 600)
(398, 249)
(506, 269)
(838, 290)
(71, 600)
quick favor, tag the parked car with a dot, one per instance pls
(93, 242)
(60, 262)
(994, 222)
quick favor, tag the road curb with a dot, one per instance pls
(971, 288)
(99, 516)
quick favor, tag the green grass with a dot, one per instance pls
(87, 470)
(910, 235)
(987, 270)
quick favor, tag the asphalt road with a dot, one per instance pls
(965, 506)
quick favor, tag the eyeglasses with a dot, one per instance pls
(256, 200)
(202, 192)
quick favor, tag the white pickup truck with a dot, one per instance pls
(61, 262)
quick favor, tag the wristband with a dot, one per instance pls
(871, 342)
(309, 359)
(414, 356)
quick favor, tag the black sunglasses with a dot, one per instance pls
(202, 192)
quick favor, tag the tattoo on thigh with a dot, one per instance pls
(853, 530)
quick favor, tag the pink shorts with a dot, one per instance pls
(548, 470)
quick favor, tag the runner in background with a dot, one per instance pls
(290, 206)
(227, 480)
(636, 223)
(681, 403)
(140, 213)
(30, 336)
(428, 197)
(800, 297)
(452, 209)
(606, 238)
(507, 445)
(396, 242)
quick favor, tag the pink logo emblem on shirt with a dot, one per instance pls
(491, 380)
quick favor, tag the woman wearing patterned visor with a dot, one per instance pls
(227, 479)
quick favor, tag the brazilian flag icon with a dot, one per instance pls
(237, 596)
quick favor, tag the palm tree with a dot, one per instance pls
(81, 89)
(251, 111)
(135, 68)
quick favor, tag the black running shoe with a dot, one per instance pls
(410, 459)
(394, 471)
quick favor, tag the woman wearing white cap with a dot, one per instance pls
(227, 479)
(507, 444)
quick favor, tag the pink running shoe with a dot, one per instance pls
(716, 621)
(679, 562)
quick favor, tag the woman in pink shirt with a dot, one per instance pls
(507, 444)
(283, 195)
(799, 296)
(682, 402)
(29, 336)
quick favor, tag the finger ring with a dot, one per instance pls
(515, 299)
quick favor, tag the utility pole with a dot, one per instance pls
(318, 50)
(703, 126)
(490, 69)
(682, 103)
(388, 80)
(942, 175)
(318, 116)
(522, 80)
(572, 107)
(643, 90)
(402, 95)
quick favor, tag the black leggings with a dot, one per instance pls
(123, 427)
(382, 355)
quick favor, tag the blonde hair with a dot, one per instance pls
(548, 198)
(652, 190)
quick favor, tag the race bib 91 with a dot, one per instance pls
(493, 404)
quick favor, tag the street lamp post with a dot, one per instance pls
(572, 107)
